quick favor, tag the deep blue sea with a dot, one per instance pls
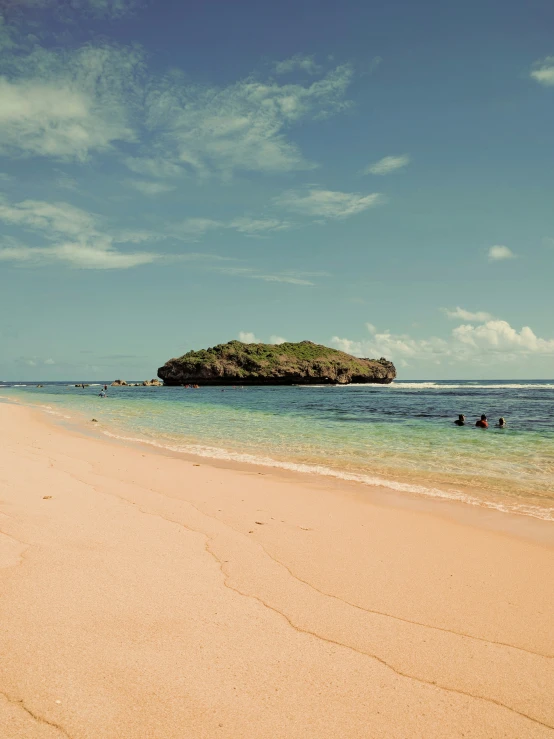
(401, 436)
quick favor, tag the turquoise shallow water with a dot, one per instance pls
(401, 436)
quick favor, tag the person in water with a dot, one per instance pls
(461, 420)
(501, 423)
(482, 423)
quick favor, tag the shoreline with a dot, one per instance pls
(149, 595)
(466, 509)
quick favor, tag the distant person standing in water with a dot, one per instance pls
(501, 423)
(482, 423)
(461, 420)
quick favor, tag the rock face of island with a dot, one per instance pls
(304, 363)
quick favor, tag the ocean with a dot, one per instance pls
(400, 436)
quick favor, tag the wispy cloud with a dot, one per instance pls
(77, 8)
(257, 226)
(96, 98)
(251, 273)
(466, 315)
(499, 253)
(543, 71)
(70, 235)
(66, 106)
(194, 228)
(242, 127)
(109, 8)
(79, 256)
(387, 165)
(277, 339)
(327, 203)
(148, 187)
(65, 182)
(154, 167)
(298, 62)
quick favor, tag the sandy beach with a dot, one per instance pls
(144, 596)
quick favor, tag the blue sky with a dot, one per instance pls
(373, 176)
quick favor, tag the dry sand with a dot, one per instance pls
(146, 597)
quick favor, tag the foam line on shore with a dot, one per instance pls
(545, 514)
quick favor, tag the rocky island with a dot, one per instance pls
(303, 363)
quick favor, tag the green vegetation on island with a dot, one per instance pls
(303, 363)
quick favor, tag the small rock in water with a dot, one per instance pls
(94, 420)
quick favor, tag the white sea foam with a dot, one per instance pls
(48, 409)
(399, 385)
(458, 386)
(546, 514)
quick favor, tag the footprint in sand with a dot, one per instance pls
(46, 497)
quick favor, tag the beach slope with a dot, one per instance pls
(147, 596)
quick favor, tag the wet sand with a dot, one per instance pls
(148, 596)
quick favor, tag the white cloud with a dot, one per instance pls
(49, 361)
(242, 126)
(498, 336)
(388, 165)
(292, 278)
(489, 341)
(277, 340)
(70, 11)
(498, 253)
(77, 255)
(65, 182)
(147, 187)
(136, 237)
(247, 337)
(109, 8)
(72, 104)
(297, 62)
(392, 346)
(154, 167)
(194, 228)
(6, 41)
(543, 71)
(327, 203)
(53, 218)
(72, 236)
(68, 105)
(466, 315)
(257, 226)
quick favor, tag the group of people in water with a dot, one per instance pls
(482, 423)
